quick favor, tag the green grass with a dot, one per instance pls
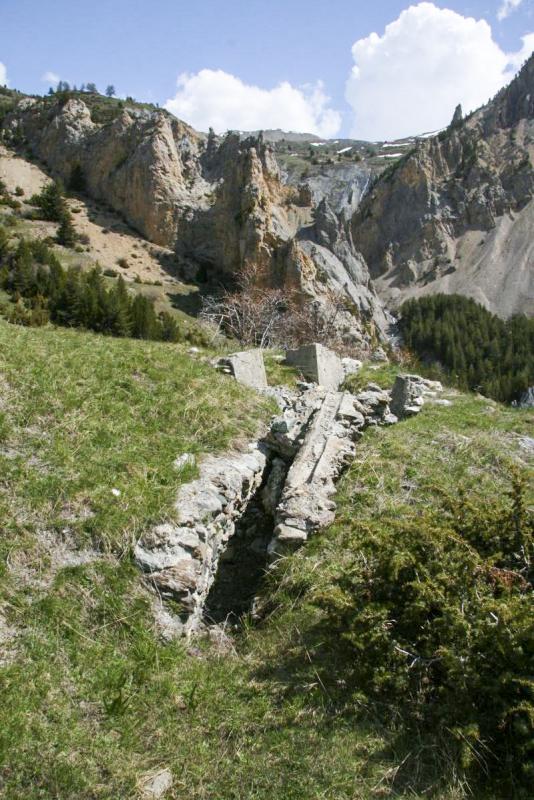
(278, 373)
(400, 476)
(91, 699)
(384, 375)
(92, 413)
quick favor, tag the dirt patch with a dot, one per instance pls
(8, 635)
(37, 566)
(16, 171)
(106, 239)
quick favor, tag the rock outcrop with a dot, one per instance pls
(456, 214)
(220, 203)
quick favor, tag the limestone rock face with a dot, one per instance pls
(455, 215)
(220, 203)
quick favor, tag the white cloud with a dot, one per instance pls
(214, 98)
(410, 79)
(516, 60)
(50, 77)
(3, 75)
(507, 7)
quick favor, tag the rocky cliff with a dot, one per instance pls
(456, 214)
(220, 203)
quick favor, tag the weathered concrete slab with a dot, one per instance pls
(306, 503)
(318, 364)
(247, 367)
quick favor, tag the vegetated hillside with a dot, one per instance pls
(50, 239)
(93, 700)
(455, 215)
(416, 606)
(477, 350)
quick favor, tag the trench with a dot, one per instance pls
(249, 508)
(243, 564)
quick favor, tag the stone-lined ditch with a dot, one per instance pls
(247, 509)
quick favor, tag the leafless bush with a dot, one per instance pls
(257, 315)
(317, 321)
(252, 313)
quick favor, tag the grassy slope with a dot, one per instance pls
(473, 447)
(91, 700)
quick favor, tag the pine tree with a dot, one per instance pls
(121, 324)
(4, 245)
(145, 323)
(66, 234)
(51, 202)
(170, 332)
(480, 351)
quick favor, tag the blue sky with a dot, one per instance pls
(219, 45)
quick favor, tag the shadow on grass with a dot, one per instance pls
(412, 762)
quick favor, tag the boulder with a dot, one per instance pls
(156, 784)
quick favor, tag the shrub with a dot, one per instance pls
(433, 618)
(66, 234)
(123, 263)
(110, 273)
(19, 191)
(20, 314)
(12, 203)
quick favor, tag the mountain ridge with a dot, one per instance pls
(445, 213)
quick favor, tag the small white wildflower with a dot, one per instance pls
(116, 492)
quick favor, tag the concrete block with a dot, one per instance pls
(318, 364)
(248, 368)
